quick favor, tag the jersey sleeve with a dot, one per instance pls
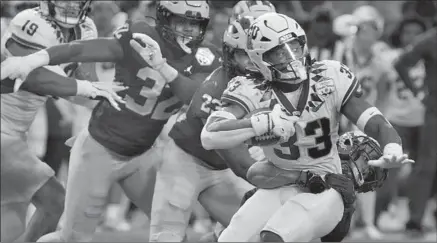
(346, 84)
(206, 100)
(124, 34)
(29, 29)
(242, 91)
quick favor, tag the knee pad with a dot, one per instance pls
(268, 236)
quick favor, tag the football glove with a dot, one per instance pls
(18, 68)
(277, 121)
(101, 89)
(392, 157)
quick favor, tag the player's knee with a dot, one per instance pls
(268, 236)
(50, 197)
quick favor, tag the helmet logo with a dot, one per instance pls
(253, 32)
(287, 37)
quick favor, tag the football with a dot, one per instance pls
(266, 139)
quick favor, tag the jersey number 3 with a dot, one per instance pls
(323, 142)
(146, 101)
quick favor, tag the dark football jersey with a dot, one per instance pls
(186, 133)
(149, 100)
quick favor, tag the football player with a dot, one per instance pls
(106, 151)
(189, 172)
(294, 108)
(24, 178)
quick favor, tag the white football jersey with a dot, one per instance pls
(31, 29)
(313, 147)
(405, 109)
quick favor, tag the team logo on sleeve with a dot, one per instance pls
(204, 56)
(324, 87)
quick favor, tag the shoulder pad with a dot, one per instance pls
(32, 30)
(244, 92)
(345, 82)
(88, 29)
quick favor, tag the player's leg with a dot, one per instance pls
(49, 203)
(304, 217)
(250, 219)
(223, 199)
(89, 179)
(22, 175)
(138, 177)
(176, 190)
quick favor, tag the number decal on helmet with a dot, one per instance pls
(253, 32)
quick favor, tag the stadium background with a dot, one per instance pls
(59, 120)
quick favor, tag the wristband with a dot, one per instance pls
(261, 123)
(168, 72)
(38, 59)
(85, 88)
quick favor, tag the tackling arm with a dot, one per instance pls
(225, 129)
(371, 121)
(50, 80)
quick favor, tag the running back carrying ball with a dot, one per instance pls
(266, 139)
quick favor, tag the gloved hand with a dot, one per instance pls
(277, 122)
(101, 89)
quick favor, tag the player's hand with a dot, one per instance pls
(102, 89)
(391, 161)
(283, 124)
(16, 68)
(148, 49)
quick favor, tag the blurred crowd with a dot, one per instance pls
(326, 24)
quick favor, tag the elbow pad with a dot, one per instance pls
(223, 139)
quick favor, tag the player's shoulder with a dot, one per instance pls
(32, 29)
(88, 29)
(334, 76)
(244, 91)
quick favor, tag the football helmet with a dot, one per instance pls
(355, 150)
(67, 14)
(235, 38)
(185, 12)
(251, 8)
(277, 45)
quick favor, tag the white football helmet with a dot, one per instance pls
(277, 45)
(235, 36)
(67, 14)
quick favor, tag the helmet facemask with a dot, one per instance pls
(235, 57)
(184, 31)
(287, 62)
(68, 14)
(361, 149)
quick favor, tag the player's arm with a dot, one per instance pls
(49, 80)
(264, 174)
(413, 53)
(371, 121)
